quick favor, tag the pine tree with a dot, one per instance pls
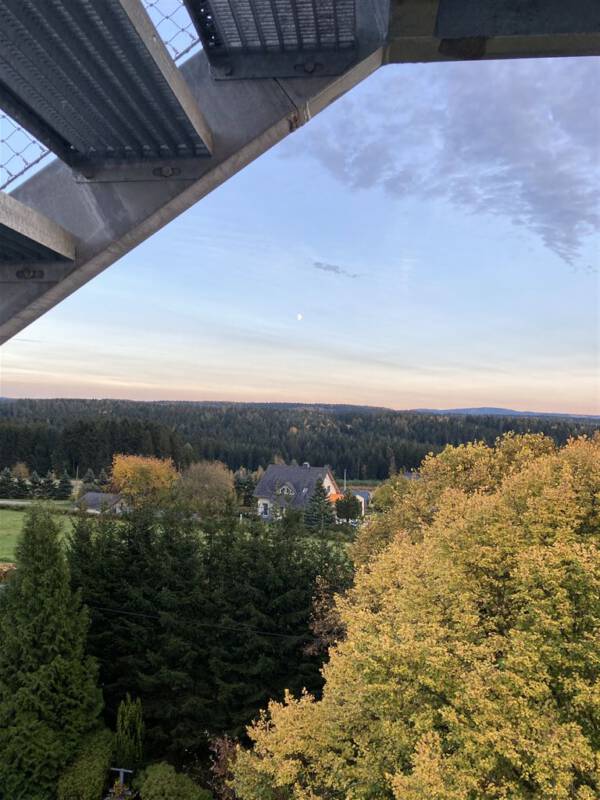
(103, 480)
(89, 481)
(64, 488)
(320, 512)
(48, 486)
(48, 692)
(130, 733)
(6, 483)
(21, 489)
(35, 485)
(140, 577)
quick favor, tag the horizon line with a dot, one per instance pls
(496, 410)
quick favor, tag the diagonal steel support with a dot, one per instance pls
(110, 217)
(28, 237)
(121, 205)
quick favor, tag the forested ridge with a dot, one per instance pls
(370, 443)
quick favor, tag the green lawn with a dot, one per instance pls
(10, 528)
(11, 522)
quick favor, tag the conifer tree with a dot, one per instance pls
(89, 481)
(21, 489)
(130, 733)
(320, 512)
(64, 488)
(48, 486)
(48, 692)
(103, 480)
(6, 483)
(35, 485)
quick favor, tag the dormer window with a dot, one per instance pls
(288, 490)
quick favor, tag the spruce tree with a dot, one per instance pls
(48, 486)
(6, 483)
(35, 485)
(64, 488)
(89, 481)
(21, 489)
(320, 512)
(48, 693)
(103, 480)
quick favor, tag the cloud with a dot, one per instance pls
(337, 270)
(515, 139)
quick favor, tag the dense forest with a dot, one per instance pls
(370, 443)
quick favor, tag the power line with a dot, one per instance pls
(239, 629)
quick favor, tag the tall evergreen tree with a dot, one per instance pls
(103, 480)
(64, 488)
(320, 511)
(21, 489)
(48, 692)
(6, 483)
(35, 485)
(48, 486)
(203, 629)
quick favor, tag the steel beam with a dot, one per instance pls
(28, 237)
(119, 206)
(93, 81)
(110, 217)
(451, 30)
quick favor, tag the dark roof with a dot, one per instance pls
(302, 479)
(98, 501)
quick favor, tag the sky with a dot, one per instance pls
(430, 240)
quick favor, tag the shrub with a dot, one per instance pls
(85, 778)
(160, 781)
(130, 733)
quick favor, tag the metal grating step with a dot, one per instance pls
(92, 80)
(27, 237)
(276, 38)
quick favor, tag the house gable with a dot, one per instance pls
(288, 485)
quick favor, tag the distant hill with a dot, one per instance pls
(491, 411)
(368, 443)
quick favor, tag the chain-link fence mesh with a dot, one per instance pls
(20, 151)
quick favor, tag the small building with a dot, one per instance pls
(291, 486)
(102, 503)
(364, 498)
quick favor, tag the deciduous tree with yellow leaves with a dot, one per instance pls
(143, 479)
(470, 669)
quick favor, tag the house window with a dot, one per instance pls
(287, 489)
(265, 509)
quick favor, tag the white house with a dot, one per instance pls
(291, 486)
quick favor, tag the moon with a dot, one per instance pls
(299, 317)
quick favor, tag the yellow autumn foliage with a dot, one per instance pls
(143, 478)
(471, 666)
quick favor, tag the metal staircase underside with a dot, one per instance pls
(93, 82)
(139, 140)
(276, 38)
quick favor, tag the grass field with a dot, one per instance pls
(11, 522)
(10, 528)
